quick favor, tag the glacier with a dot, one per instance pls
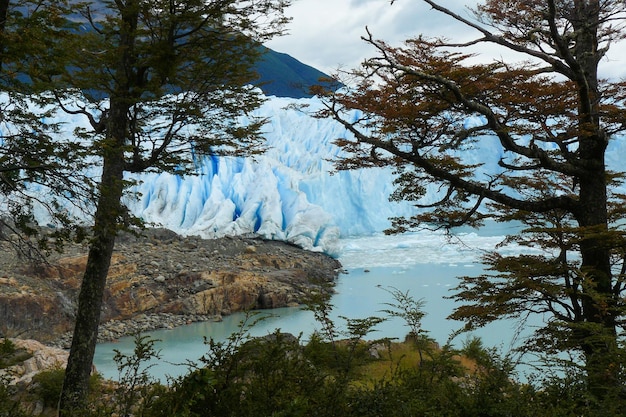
(293, 192)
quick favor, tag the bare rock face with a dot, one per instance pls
(30, 305)
(40, 358)
(162, 273)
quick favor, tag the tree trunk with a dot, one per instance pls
(76, 384)
(107, 220)
(598, 337)
(598, 334)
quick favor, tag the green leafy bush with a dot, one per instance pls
(9, 405)
(49, 384)
(7, 347)
(336, 373)
(11, 355)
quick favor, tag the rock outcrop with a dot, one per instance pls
(40, 358)
(162, 273)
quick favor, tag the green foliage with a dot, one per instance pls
(280, 375)
(9, 405)
(269, 376)
(245, 376)
(7, 347)
(30, 157)
(11, 355)
(328, 376)
(136, 389)
(411, 311)
(49, 384)
(190, 61)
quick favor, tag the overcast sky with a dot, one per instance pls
(326, 34)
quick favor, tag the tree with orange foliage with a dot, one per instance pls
(424, 107)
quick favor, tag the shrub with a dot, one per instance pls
(11, 355)
(48, 385)
(9, 406)
(7, 347)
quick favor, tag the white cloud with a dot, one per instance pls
(326, 34)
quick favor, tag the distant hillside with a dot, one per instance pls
(282, 75)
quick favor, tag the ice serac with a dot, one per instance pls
(291, 192)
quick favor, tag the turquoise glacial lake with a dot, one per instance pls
(360, 294)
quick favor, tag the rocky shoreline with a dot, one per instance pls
(160, 280)
(142, 323)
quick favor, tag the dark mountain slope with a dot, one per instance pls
(284, 76)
